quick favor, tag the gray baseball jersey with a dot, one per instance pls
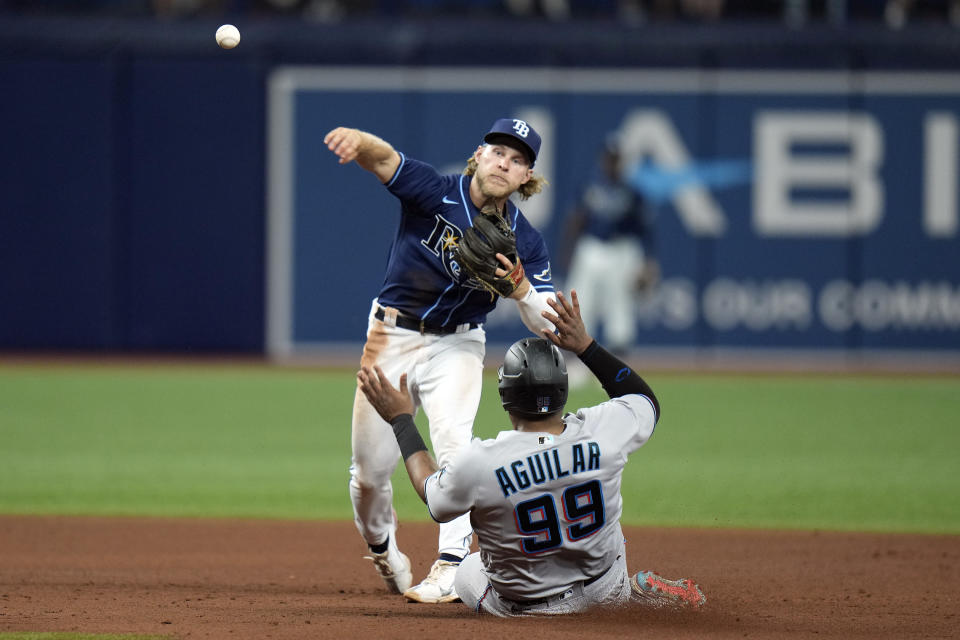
(546, 508)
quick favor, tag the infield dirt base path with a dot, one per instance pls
(277, 579)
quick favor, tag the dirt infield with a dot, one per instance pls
(276, 579)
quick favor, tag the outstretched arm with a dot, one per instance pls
(396, 407)
(617, 378)
(370, 152)
(571, 334)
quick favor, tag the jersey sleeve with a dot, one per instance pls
(451, 491)
(629, 420)
(418, 185)
(532, 251)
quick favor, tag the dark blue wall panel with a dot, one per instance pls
(195, 210)
(57, 228)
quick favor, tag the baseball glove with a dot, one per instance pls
(478, 248)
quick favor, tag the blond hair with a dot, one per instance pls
(531, 187)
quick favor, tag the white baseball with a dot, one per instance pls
(228, 36)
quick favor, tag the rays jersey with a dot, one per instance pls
(422, 278)
(546, 508)
(613, 210)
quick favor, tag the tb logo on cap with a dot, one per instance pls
(521, 127)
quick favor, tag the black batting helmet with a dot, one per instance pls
(533, 379)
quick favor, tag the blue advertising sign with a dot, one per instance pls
(814, 210)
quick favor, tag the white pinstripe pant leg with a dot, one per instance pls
(449, 383)
(445, 378)
(375, 450)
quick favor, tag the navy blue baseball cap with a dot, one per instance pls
(520, 131)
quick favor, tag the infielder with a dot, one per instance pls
(610, 231)
(447, 267)
(544, 499)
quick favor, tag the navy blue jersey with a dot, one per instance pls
(613, 210)
(423, 279)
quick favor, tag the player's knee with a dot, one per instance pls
(370, 477)
(469, 581)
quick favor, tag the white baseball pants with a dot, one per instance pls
(444, 376)
(604, 275)
(473, 587)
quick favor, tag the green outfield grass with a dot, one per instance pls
(824, 452)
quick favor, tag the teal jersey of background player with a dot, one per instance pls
(422, 277)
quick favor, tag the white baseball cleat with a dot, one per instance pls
(437, 586)
(393, 566)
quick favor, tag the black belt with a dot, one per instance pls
(408, 322)
(532, 603)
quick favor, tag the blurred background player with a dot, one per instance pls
(426, 323)
(544, 498)
(610, 234)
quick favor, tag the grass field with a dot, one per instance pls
(798, 452)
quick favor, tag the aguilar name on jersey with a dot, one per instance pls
(535, 495)
(422, 278)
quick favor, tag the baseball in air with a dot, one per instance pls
(228, 36)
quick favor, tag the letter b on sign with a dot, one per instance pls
(781, 171)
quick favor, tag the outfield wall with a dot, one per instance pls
(794, 209)
(163, 195)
